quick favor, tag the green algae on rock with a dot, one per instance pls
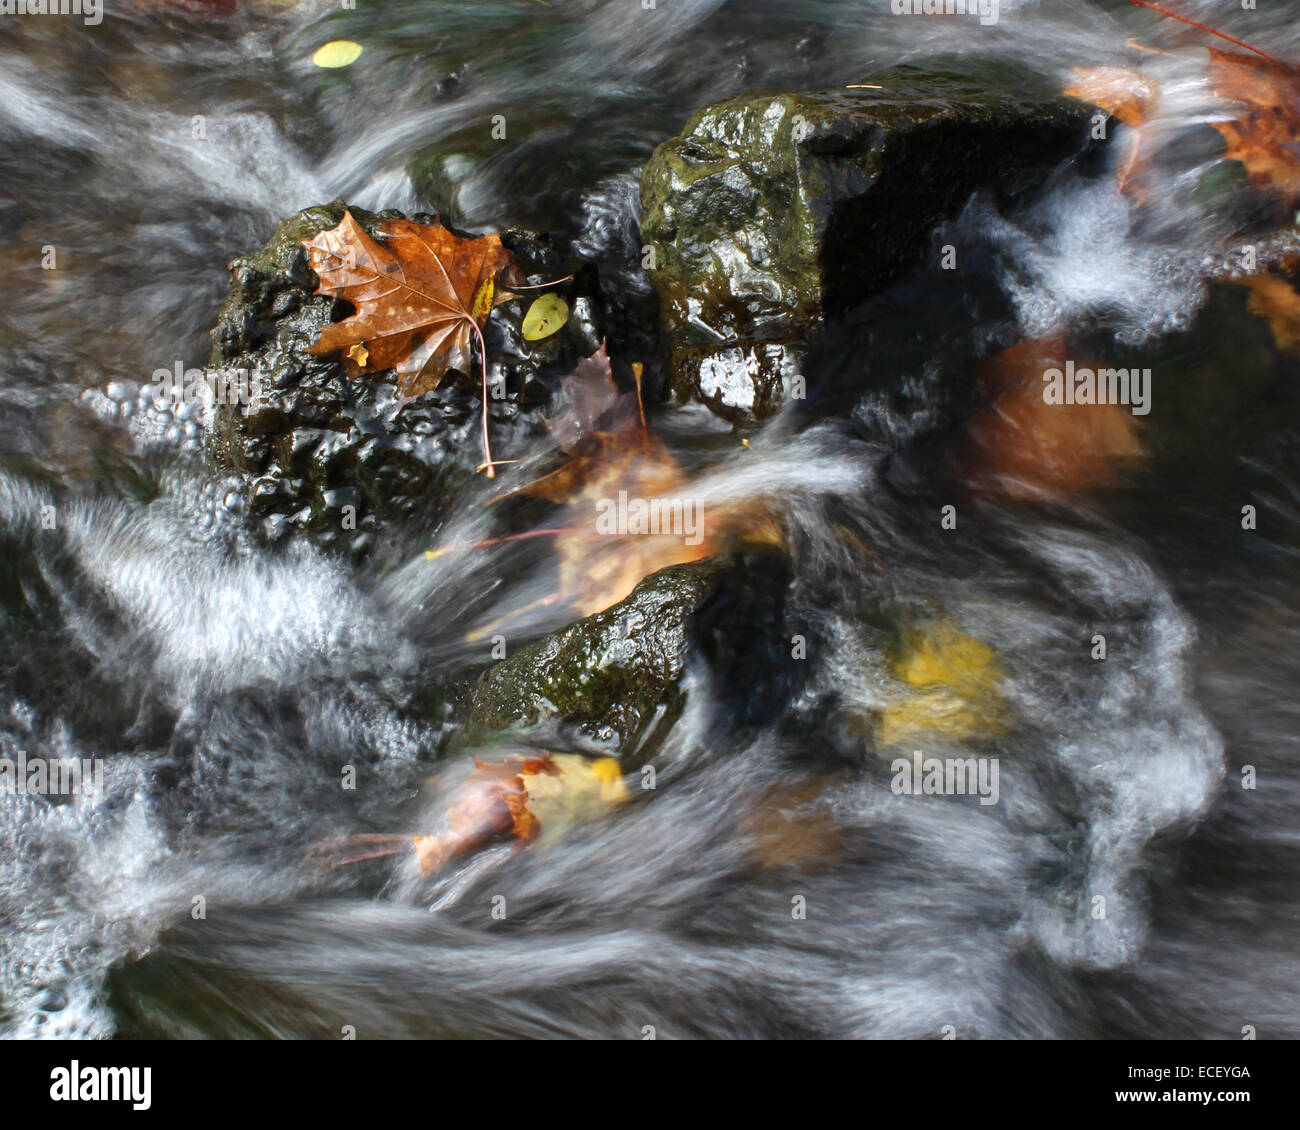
(616, 678)
(770, 211)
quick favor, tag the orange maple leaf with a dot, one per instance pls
(1266, 139)
(1125, 94)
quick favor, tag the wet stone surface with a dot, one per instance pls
(314, 441)
(613, 682)
(772, 212)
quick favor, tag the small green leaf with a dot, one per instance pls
(545, 316)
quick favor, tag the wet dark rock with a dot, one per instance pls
(773, 211)
(315, 441)
(613, 682)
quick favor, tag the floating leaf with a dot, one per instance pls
(337, 53)
(520, 799)
(545, 316)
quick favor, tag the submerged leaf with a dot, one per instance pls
(618, 468)
(954, 680)
(793, 827)
(1023, 447)
(1277, 300)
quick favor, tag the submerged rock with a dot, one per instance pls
(315, 441)
(614, 681)
(771, 211)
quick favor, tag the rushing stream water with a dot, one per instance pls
(225, 684)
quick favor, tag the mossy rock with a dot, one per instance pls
(771, 211)
(613, 682)
(316, 440)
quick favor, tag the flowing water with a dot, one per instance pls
(224, 684)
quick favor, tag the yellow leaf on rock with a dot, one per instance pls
(522, 799)
(545, 316)
(584, 789)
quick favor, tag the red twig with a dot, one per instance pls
(1206, 27)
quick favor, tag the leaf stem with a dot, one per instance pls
(538, 286)
(487, 443)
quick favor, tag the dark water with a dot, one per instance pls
(225, 685)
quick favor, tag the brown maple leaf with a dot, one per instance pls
(1266, 139)
(421, 297)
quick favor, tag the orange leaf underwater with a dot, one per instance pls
(612, 455)
(1023, 447)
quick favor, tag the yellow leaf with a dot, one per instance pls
(337, 53)
(545, 316)
(482, 306)
(584, 788)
